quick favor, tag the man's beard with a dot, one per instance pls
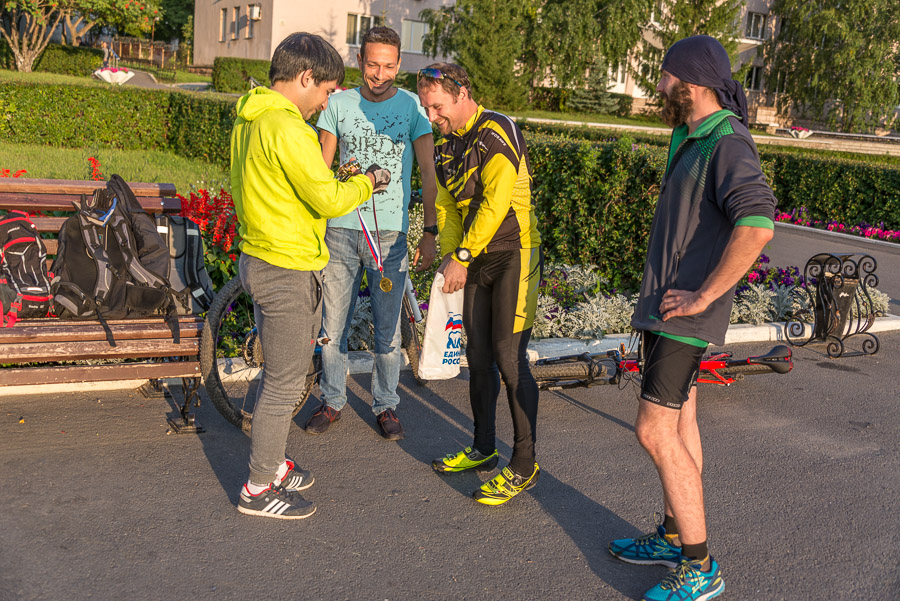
(677, 107)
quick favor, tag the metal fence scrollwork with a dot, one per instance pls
(840, 306)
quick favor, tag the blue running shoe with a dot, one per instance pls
(650, 549)
(688, 583)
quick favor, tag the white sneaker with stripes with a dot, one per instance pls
(275, 502)
(296, 478)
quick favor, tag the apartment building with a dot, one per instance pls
(254, 28)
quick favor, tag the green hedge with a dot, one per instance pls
(193, 125)
(69, 60)
(56, 58)
(231, 74)
(595, 201)
(848, 191)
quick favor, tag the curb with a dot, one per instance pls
(361, 362)
(815, 233)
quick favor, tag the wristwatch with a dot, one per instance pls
(430, 229)
(463, 254)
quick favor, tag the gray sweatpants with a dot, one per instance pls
(288, 310)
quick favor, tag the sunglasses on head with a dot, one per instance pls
(437, 74)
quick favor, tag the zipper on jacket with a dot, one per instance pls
(677, 263)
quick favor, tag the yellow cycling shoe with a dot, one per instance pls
(504, 486)
(467, 459)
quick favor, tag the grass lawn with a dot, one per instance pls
(47, 162)
(10, 76)
(648, 121)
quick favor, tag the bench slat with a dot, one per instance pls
(60, 331)
(22, 185)
(63, 202)
(98, 373)
(40, 352)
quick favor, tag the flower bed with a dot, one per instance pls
(802, 217)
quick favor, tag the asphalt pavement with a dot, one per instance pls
(802, 480)
(795, 245)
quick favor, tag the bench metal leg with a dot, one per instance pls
(190, 390)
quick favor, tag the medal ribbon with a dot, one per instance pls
(374, 245)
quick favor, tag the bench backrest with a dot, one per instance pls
(53, 199)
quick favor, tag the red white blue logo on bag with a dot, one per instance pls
(454, 339)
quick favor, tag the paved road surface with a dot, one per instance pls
(803, 483)
(795, 246)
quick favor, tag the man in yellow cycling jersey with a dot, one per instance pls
(491, 246)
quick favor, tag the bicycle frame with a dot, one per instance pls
(715, 369)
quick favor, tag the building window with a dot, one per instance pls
(252, 17)
(358, 25)
(223, 24)
(235, 22)
(753, 81)
(756, 26)
(411, 38)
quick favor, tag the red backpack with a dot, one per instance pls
(24, 281)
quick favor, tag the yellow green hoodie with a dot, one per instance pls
(283, 191)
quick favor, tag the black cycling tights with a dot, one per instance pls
(498, 313)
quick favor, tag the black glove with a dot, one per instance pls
(382, 177)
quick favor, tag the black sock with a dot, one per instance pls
(698, 552)
(670, 526)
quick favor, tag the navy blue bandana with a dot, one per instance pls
(701, 60)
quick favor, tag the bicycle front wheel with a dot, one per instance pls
(231, 357)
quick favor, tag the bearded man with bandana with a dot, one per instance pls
(714, 215)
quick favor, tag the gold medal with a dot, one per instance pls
(385, 285)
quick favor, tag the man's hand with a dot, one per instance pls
(454, 275)
(677, 303)
(380, 177)
(425, 252)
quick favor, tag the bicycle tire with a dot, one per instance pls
(232, 381)
(570, 370)
(745, 370)
(410, 340)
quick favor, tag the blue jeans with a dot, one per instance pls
(350, 257)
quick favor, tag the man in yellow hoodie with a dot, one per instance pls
(283, 195)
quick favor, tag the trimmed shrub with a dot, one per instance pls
(200, 126)
(69, 60)
(595, 201)
(73, 116)
(847, 191)
(193, 125)
(231, 75)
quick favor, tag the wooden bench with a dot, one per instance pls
(146, 343)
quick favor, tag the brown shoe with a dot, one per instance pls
(321, 419)
(390, 425)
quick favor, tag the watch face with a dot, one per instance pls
(463, 254)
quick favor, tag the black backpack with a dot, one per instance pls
(111, 262)
(24, 281)
(187, 267)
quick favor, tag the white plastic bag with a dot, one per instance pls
(443, 334)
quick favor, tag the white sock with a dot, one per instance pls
(255, 489)
(281, 473)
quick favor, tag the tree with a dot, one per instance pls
(27, 25)
(510, 46)
(673, 20)
(486, 39)
(81, 16)
(837, 62)
(175, 15)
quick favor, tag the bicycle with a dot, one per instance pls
(231, 358)
(612, 367)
